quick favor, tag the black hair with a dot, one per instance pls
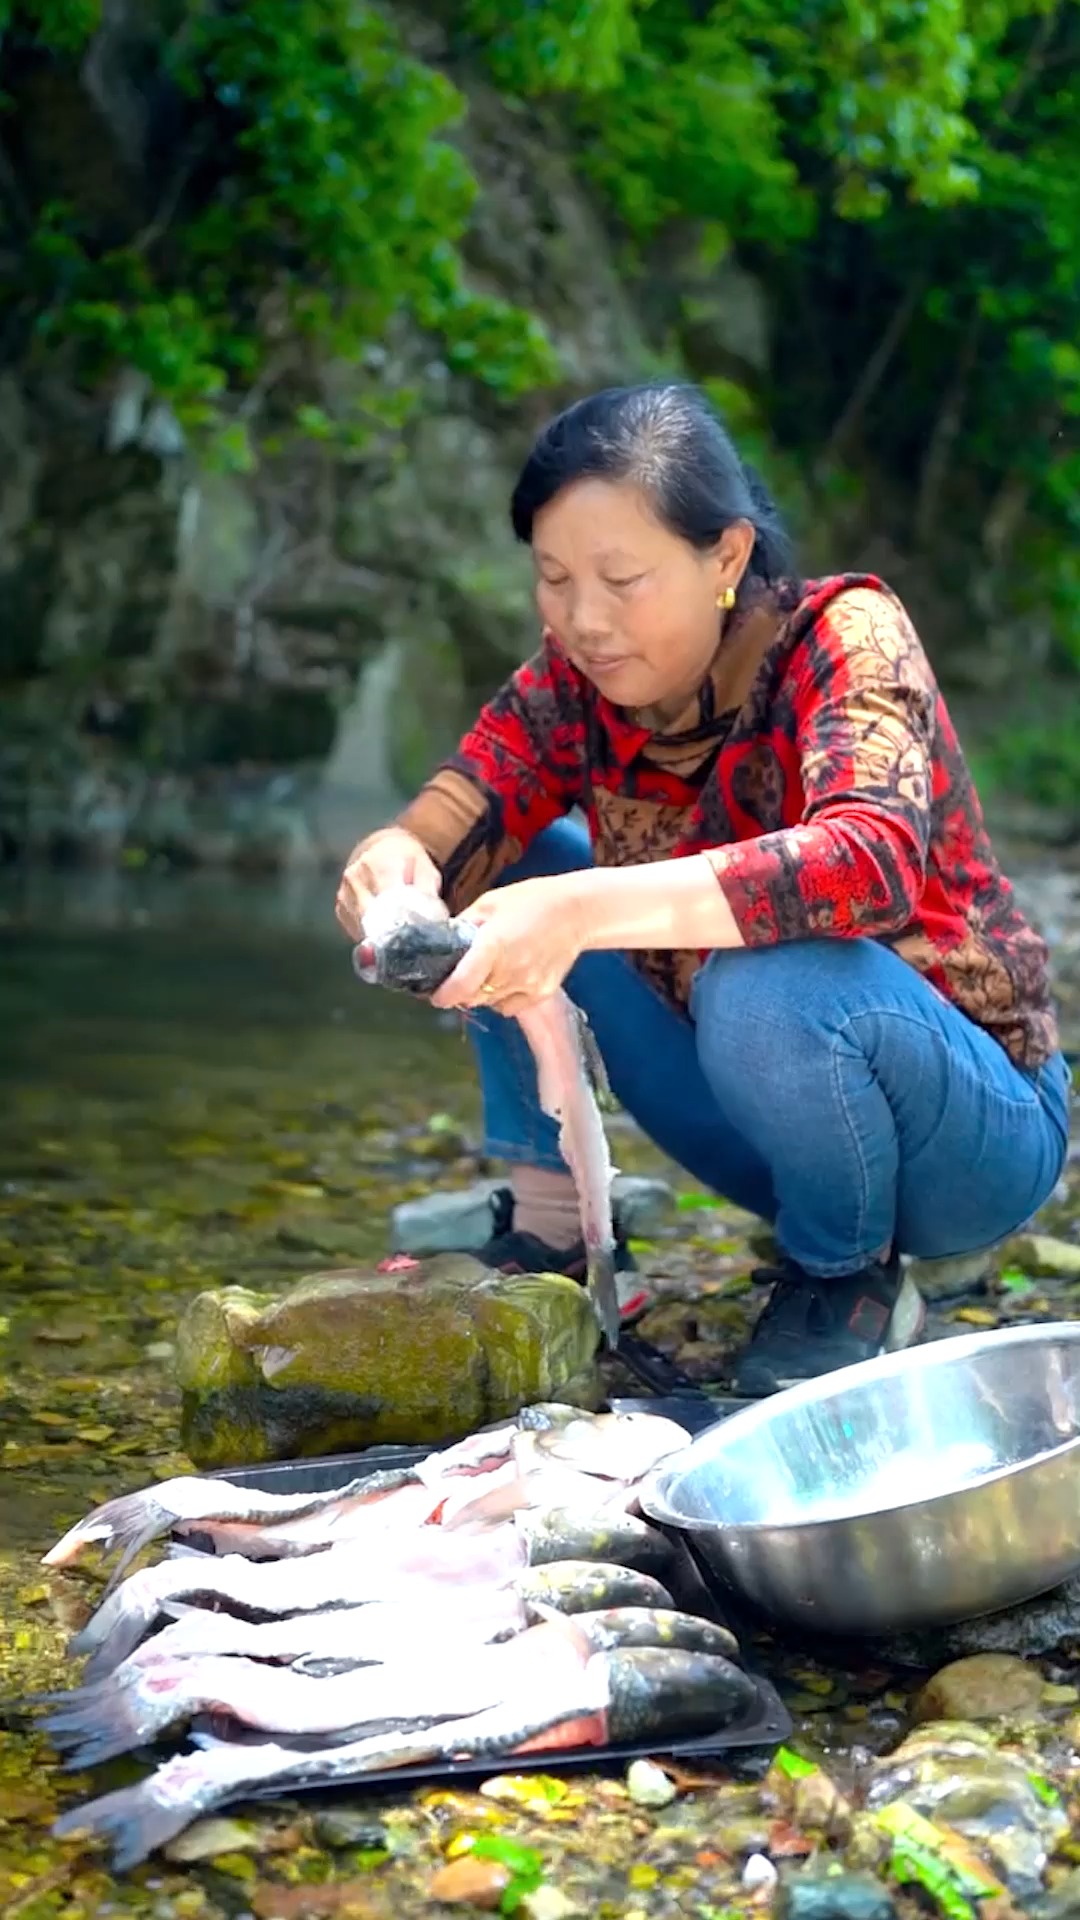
(667, 439)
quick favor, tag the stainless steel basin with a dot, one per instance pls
(906, 1492)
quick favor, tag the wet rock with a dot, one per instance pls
(648, 1784)
(813, 1895)
(948, 1279)
(208, 1839)
(759, 1874)
(360, 1358)
(470, 1882)
(1061, 1902)
(952, 1774)
(1045, 1257)
(1037, 1627)
(816, 1802)
(985, 1686)
(338, 1827)
(549, 1903)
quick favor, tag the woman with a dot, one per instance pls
(808, 978)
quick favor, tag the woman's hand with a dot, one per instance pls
(528, 941)
(389, 858)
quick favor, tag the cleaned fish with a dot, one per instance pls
(348, 1575)
(190, 1504)
(342, 1576)
(135, 1707)
(570, 1075)
(508, 1463)
(627, 1695)
(410, 942)
(336, 1639)
(585, 1460)
(612, 1446)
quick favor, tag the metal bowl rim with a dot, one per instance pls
(749, 1419)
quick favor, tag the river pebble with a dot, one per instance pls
(985, 1686)
(832, 1896)
(648, 1785)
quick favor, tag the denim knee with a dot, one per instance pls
(755, 1010)
(564, 847)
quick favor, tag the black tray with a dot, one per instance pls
(765, 1726)
(692, 1408)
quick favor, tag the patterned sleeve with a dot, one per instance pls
(517, 769)
(865, 703)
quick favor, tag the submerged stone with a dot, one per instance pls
(952, 1774)
(359, 1358)
(810, 1894)
(1044, 1625)
(985, 1686)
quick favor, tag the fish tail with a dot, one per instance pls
(603, 1292)
(136, 1820)
(130, 1522)
(121, 1621)
(133, 1822)
(99, 1722)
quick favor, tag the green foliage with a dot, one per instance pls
(329, 205)
(902, 176)
(1037, 760)
(63, 26)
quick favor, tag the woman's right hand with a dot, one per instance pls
(390, 858)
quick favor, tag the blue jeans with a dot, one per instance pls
(823, 1085)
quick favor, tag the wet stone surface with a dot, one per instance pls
(192, 1101)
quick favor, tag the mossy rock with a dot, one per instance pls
(357, 1358)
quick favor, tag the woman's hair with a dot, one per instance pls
(666, 439)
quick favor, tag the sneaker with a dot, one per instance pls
(810, 1327)
(511, 1252)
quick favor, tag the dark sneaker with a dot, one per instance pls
(809, 1327)
(511, 1252)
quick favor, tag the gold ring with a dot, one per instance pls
(487, 989)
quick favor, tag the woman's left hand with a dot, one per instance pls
(529, 937)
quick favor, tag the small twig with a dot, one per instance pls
(946, 430)
(873, 372)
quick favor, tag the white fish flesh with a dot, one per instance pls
(627, 1695)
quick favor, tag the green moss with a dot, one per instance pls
(358, 1358)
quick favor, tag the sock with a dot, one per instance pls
(546, 1204)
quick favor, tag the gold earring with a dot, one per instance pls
(726, 600)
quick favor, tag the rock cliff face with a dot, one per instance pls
(205, 666)
(208, 666)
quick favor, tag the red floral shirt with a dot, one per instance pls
(817, 768)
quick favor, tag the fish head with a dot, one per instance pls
(672, 1689)
(616, 1446)
(409, 942)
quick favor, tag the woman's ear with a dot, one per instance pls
(732, 552)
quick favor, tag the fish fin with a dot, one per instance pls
(595, 1069)
(604, 1294)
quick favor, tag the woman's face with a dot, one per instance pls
(636, 607)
